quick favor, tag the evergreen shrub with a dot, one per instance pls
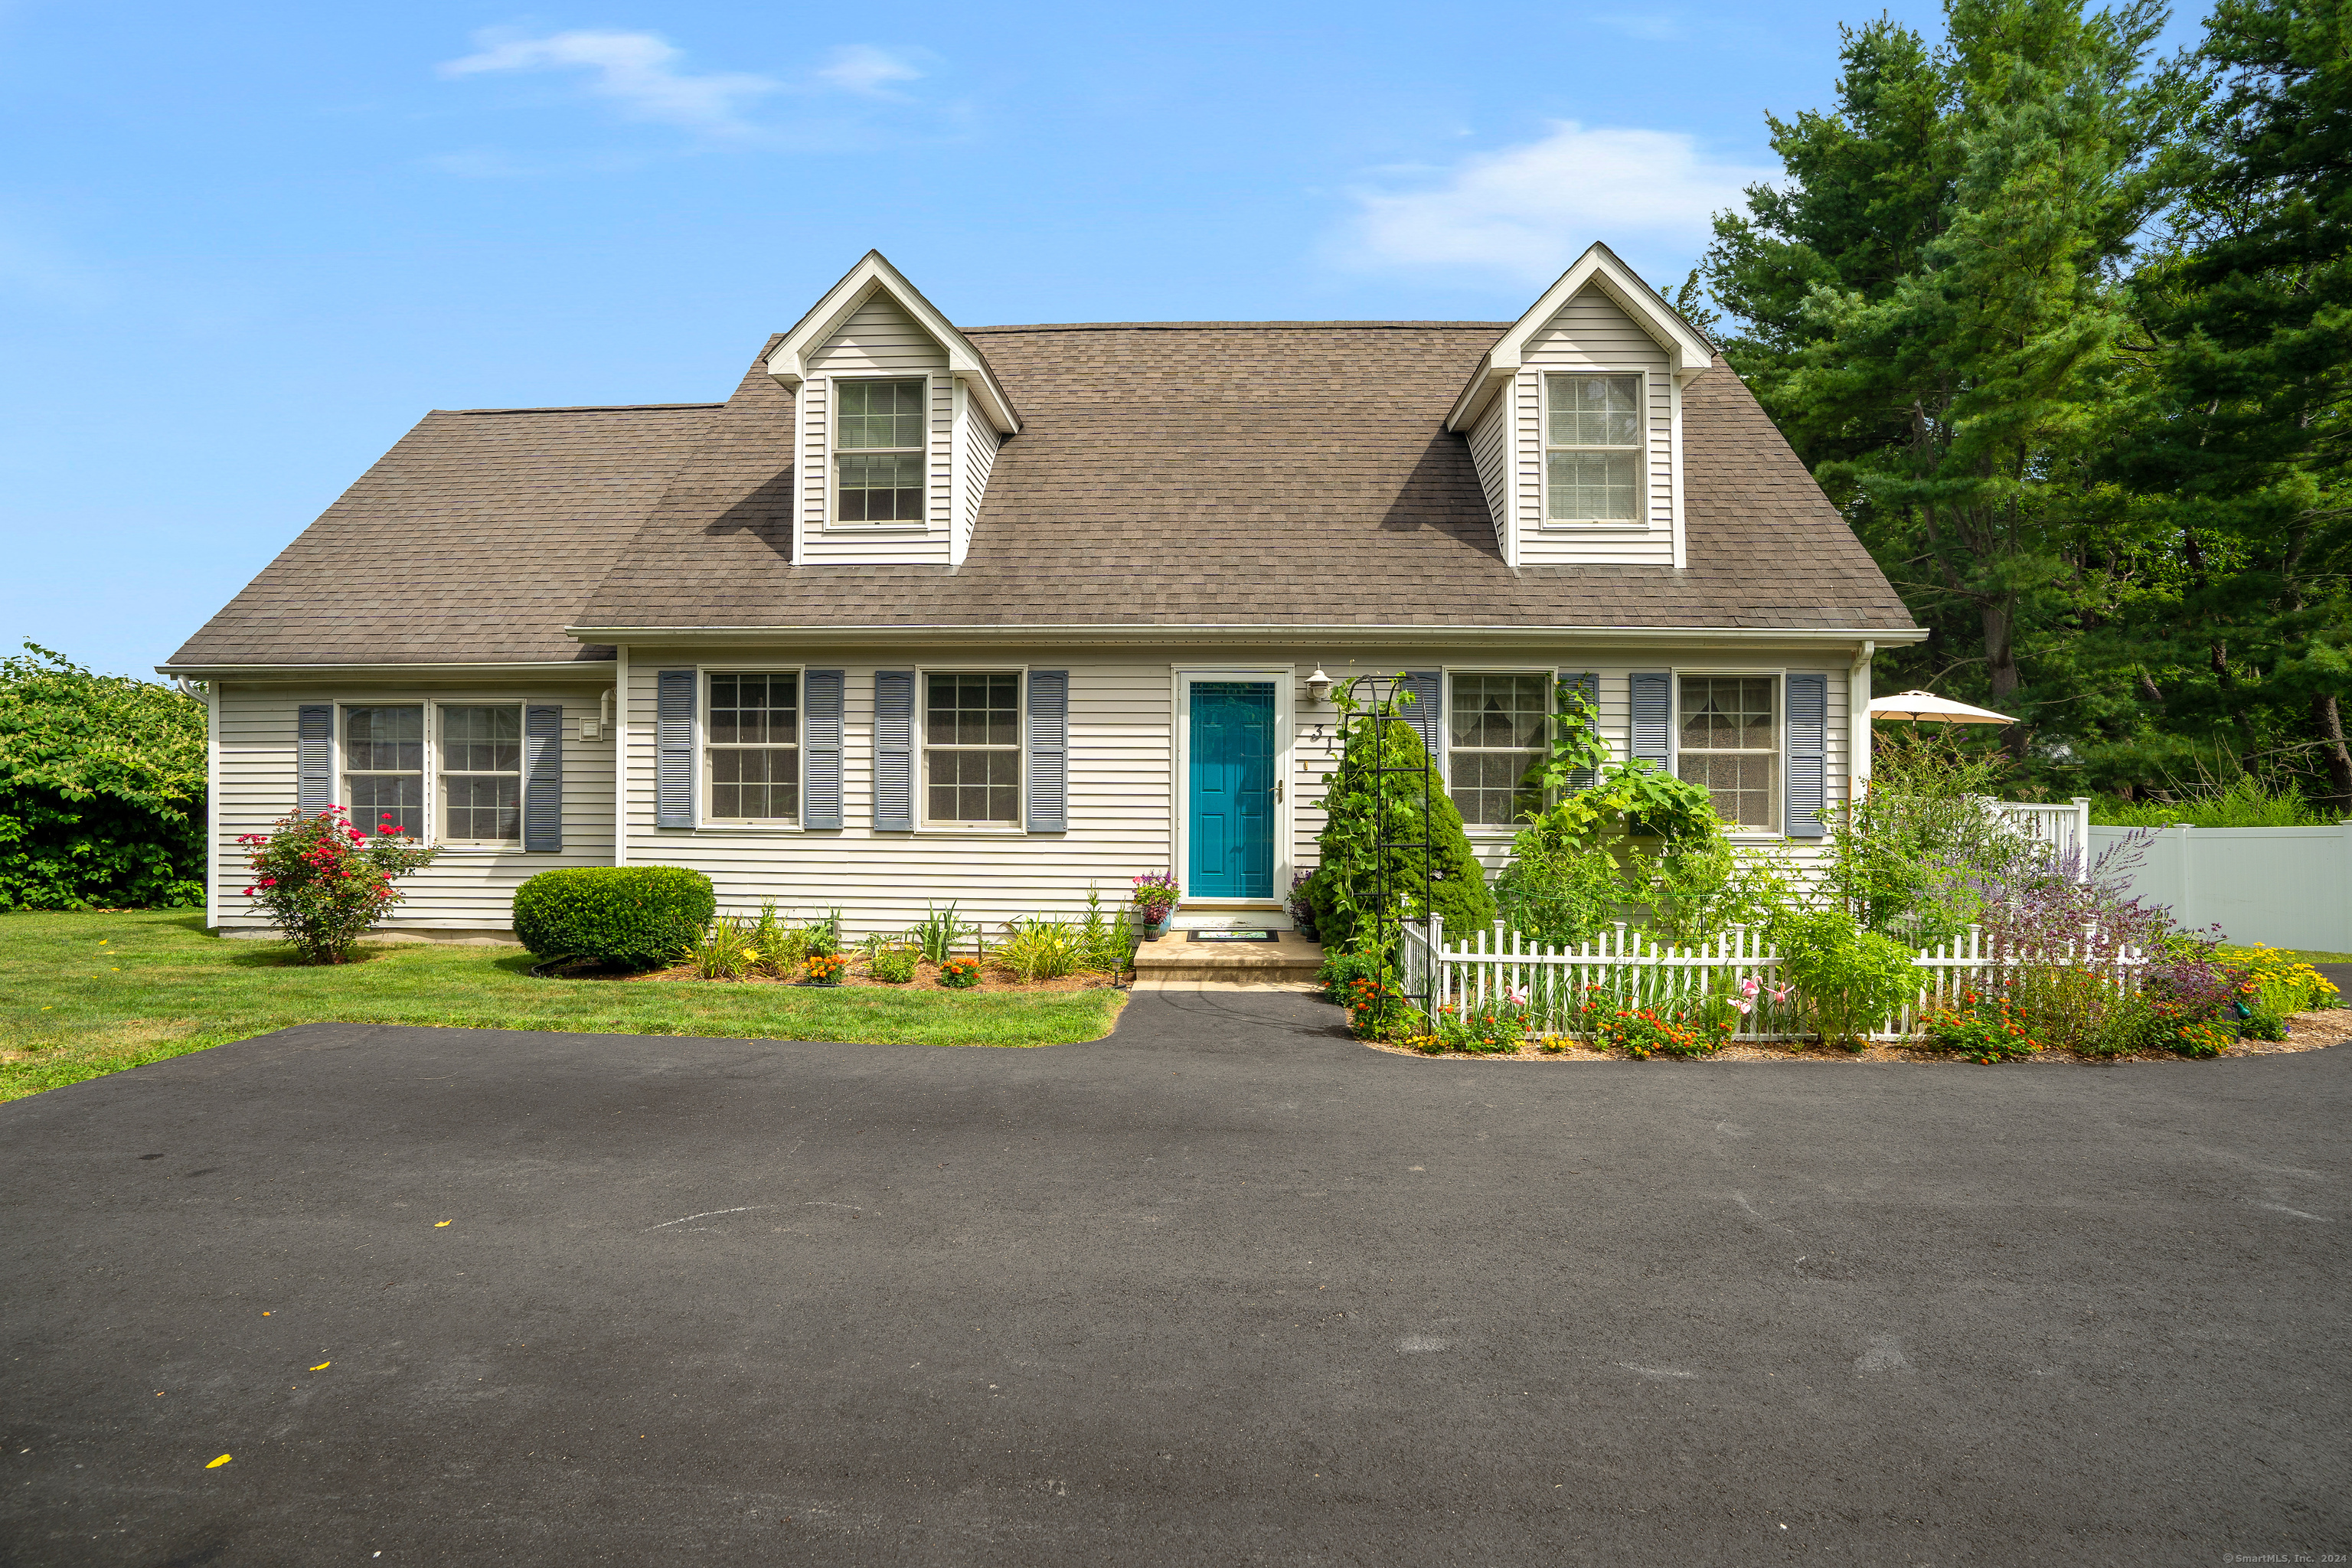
(1343, 891)
(632, 916)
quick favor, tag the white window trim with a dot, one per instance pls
(1019, 827)
(1285, 677)
(1647, 522)
(702, 818)
(431, 807)
(1485, 832)
(831, 414)
(1779, 676)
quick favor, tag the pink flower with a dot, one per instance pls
(1780, 993)
(1740, 1005)
(1748, 988)
(248, 892)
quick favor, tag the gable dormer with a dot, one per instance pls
(1574, 420)
(898, 422)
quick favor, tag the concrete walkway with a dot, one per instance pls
(1225, 1288)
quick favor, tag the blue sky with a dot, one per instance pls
(242, 249)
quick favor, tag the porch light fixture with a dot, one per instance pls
(1318, 687)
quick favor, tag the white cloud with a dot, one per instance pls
(637, 70)
(863, 68)
(1527, 211)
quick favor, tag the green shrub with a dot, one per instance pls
(937, 933)
(1344, 889)
(323, 882)
(633, 916)
(102, 788)
(1850, 979)
(1042, 949)
(2242, 802)
(725, 952)
(780, 947)
(892, 965)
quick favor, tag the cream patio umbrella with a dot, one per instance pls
(1926, 707)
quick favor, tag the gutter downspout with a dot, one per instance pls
(1857, 713)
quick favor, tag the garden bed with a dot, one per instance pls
(927, 978)
(2306, 1032)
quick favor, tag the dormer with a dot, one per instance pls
(1574, 420)
(899, 419)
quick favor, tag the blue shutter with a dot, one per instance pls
(1588, 684)
(314, 758)
(1653, 704)
(674, 749)
(894, 750)
(821, 696)
(1425, 709)
(1049, 751)
(1808, 697)
(542, 778)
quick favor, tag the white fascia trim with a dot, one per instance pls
(1164, 633)
(788, 362)
(1687, 350)
(587, 668)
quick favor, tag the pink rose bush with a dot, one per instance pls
(323, 882)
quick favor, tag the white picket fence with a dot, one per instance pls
(1631, 970)
(2065, 825)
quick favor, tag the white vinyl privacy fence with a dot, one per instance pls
(1630, 970)
(2290, 887)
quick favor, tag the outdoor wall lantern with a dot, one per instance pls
(1318, 687)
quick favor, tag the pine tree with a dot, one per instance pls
(1345, 890)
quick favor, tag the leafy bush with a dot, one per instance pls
(937, 933)
(322, 882)
(631, 916)
(102, 788)
(892, 965)
(822, 937)
(1916, 854)
(1344, 966)
(1848, 979)
(1041, 949)
(960, 973)
(1107, 942)
(1344, 889)
(724, 951)
(780, 947)
(2284, 983)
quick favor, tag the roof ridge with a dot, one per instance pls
(582, 408)
(1226, 326)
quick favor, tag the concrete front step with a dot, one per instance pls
(1290, 958)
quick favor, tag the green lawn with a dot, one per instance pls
(85, 994)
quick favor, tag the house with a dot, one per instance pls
(993, 614)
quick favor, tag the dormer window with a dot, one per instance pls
(878, 452)
(1592, 448)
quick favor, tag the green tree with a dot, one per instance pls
(2239, 435)
(102, 788)
(1929, 309)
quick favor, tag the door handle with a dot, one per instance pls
(1277, 790)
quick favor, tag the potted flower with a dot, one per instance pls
(1155, 901)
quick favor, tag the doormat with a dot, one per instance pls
(1233, 936)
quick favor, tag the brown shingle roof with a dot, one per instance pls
(1167, 473)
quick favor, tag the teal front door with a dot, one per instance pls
(1232, 790)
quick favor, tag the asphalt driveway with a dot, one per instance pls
(1225, 1288)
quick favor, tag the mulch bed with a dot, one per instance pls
(2305, 1032)
(927, 978)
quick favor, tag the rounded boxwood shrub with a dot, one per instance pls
(638, 916)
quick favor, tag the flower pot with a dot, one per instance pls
(1153, 930)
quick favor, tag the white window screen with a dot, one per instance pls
(1497, 737)
(971, 749)
(481, 774)
(878, 452)
(1730, 745)
(1592, 448)
(753, 758)
(384, 769)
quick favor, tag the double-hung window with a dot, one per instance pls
(754, 756)
(1730, 745)
(1592, 448)
(384, 769)
(878, 452)
(481, 774)
(1497, 736)
(971, 749)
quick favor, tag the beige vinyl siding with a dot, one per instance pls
(1123, 794)
(461, 890)
(1592, 333)
(980, 444)
(1490, 451)
(879, 338)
